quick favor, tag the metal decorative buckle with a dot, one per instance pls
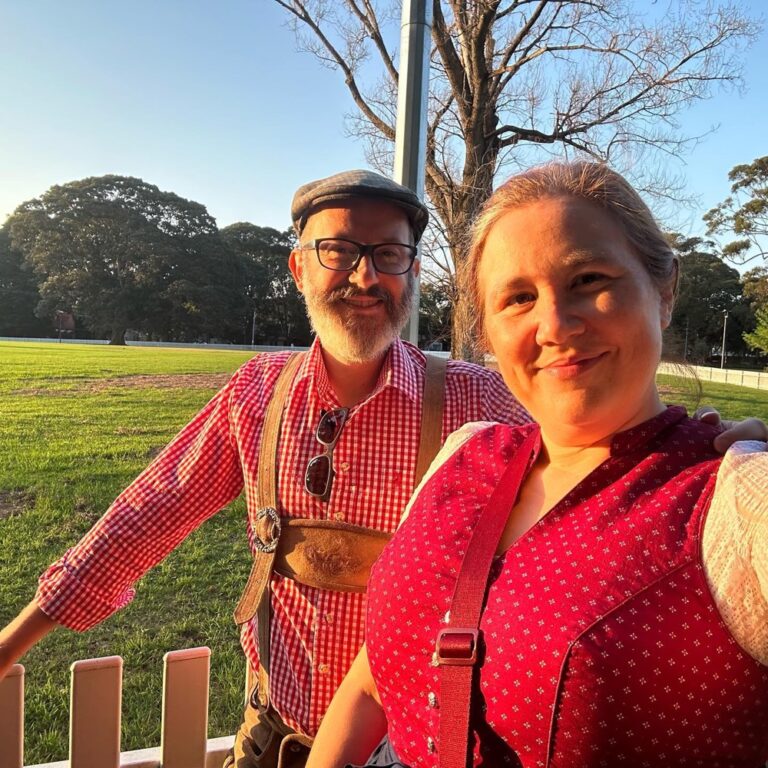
(274, 531)
(456, 647)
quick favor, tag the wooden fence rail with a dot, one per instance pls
(95, 714)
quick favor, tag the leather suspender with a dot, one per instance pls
(278, 541)
(431, 415)
(267, 523)
(456, 649)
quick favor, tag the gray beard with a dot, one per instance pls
(357, 339)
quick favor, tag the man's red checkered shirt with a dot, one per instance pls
(315, 634)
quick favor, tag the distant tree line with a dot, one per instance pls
(709, 288)
(120, 255)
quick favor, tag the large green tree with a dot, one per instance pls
(513, 82)
(119, 253)
(273, 312)
(708, 287)
(19, 296)
(755, 286)
(744, 212)
(435, 313)
(758, 339)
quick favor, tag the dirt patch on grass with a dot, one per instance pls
(16, 502)
(163, 381)
(667, 392)
(153, 451)
(73, 387)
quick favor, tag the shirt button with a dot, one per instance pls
(338, 515)
(344, 466)
(328, 618)
(430, 744)
(323, 668)
(432, 699)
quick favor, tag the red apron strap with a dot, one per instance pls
(456, 648)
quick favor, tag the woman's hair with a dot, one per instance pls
(593, 182)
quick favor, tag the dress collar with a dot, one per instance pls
(640, 435)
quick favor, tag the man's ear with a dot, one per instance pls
(416, 268)
(296, 265)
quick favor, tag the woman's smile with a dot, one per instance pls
(571, 366)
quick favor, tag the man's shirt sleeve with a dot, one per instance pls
(196, 475)
(499, 404)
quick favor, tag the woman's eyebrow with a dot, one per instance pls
(580, 257)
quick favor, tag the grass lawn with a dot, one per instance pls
(77, 423)
(732, 401)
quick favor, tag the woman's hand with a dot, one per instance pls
(733, 431)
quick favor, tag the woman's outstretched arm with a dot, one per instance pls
(354, 723)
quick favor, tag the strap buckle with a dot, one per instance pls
(456, 647)
(270, 545)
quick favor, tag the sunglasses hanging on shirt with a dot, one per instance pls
(318, 479)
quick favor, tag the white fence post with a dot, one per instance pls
(95, 713)
(185, 708)
(12, 718)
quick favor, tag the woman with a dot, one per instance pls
(625, 620)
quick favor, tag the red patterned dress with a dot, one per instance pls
(603, 643)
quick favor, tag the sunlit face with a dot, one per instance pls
(574, 319)
(357, 315)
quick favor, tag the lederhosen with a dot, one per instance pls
(292, 548)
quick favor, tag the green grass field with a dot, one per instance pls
(77, 423)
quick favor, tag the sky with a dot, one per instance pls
(213, 101)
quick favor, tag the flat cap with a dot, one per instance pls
(352, 184)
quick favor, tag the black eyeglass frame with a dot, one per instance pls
(327, 454)
(364, 250)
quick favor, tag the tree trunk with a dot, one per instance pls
(118, 335)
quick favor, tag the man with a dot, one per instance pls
(346, 446)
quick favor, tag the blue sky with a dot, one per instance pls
(214, 102)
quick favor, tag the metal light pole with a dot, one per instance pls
(411, 129)
(725, 325)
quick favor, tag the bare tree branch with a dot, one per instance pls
(513, 82)
(299, 10)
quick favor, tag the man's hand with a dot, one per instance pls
(733, 431)
(21, 634)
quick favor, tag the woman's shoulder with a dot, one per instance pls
(694, 431)
(487, 434)
(475, 435)
(735, 545)
(742, 481)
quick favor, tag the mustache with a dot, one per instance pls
(348, 292)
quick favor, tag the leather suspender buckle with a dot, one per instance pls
(272, 526)
(456, 647)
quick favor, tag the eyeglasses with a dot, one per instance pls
(318, 479)
(344, 255)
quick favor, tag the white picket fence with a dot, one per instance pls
(752, 379)
(95, 714)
